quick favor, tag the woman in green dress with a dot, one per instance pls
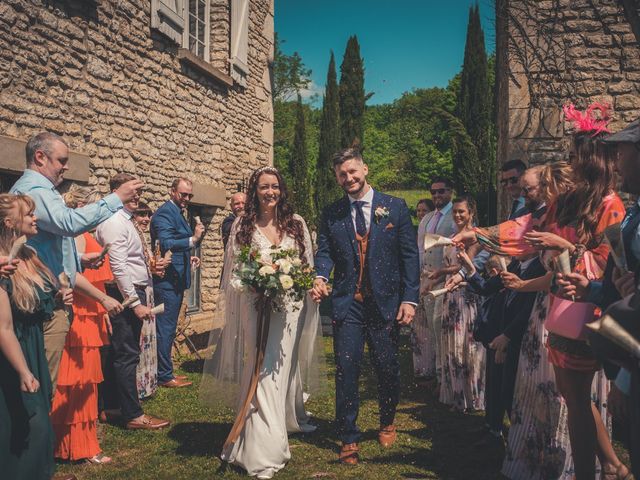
(27, 299)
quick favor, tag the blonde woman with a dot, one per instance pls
(27, 299)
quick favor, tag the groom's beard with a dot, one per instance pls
(354, 193)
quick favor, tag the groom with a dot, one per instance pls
(367, 239)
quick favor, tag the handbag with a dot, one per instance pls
(567, 318)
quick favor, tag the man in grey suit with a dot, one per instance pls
(427, 356)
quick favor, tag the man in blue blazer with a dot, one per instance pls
(170, 228)
(368, 241)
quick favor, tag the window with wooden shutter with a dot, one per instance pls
(239, 40)
(167, 16)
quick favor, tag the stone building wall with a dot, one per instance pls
(118, 91)
(553, 52)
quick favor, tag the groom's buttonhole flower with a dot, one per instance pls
(381, 212)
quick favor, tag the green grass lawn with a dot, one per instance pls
(433, 443)
(410, 196)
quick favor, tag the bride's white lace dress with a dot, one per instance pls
(277, 408)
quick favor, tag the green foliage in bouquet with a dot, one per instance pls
(279, 275)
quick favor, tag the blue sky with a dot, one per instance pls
(405, 44)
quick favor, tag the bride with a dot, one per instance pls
(268, 404)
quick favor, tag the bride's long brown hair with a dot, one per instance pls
(594, 179)
(285, 220)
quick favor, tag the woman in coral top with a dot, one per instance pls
(74, 412)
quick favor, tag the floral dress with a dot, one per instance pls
(462, 377)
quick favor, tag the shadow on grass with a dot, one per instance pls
(192, 366)
(199, 438)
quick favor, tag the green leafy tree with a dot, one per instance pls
(474, 108)
(327, 189)
(290, 75)
(352, 96)
(299, 168)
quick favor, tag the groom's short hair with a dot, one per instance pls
(346, 154)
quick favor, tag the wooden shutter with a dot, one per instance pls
(167, 16)
(239, 40)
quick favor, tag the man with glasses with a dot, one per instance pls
(47, 157)
(510, 174)
(427, 356)
(170, 227)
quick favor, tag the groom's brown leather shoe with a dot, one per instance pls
(387, 436)
(349, 454)
(175, 383)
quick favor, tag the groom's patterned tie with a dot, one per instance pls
(361, 224)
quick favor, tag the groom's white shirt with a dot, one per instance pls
(366, 208)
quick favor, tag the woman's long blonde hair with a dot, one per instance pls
(555, 179)
(31, 272)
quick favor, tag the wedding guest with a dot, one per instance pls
(424, 206)
(147, 372)
(74, 412)
(427, 354)
(509, 325)
(131, 271)
(617, 284)
(236, 202)
(171, 229)
(575, 222)
(47, 161)
(462, 374)
(27, 300)
(510, 174)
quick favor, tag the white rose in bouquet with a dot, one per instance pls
(286, 281)
(296, 262)
(266, 270)
(285, 265)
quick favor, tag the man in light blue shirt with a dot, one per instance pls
(47, 160)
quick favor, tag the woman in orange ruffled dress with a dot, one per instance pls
(74, 412)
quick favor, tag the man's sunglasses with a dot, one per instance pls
(526, 190)
(185, 195)
(439, 191)
(511, 180)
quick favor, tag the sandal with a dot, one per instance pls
(98, 459)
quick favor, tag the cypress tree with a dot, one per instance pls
(352, 98)
(476, 176)
(299, 168)
(327, 189)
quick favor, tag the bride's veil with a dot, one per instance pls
(227, 366)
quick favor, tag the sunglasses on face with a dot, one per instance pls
(439, 191)
(510, 180)
(185, 195)
(526, 190)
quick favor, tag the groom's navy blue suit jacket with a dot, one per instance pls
(392, 255)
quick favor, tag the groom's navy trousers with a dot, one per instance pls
(364, 323)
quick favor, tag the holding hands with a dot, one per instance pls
(320, 290)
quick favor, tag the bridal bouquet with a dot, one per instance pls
(278, 275)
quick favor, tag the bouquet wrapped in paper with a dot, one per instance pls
(279, 275)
